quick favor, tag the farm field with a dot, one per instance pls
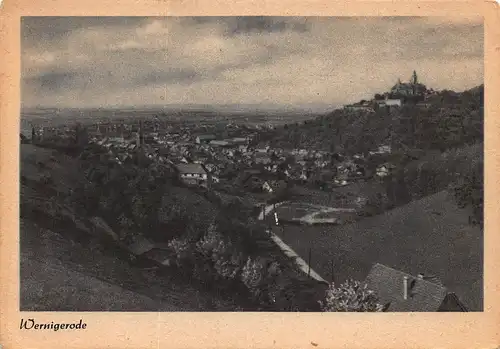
(431, 235)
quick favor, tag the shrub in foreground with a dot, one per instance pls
(351, 296)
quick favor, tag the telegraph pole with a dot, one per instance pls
(33, 135)
(141, 133)
(331, 266)
(309, 263)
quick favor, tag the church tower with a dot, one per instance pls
(414, 82)
(414, 78)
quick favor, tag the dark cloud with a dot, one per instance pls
(54, 81)
(259, 24)
(55, 26)
(46, 32)
(235, 25)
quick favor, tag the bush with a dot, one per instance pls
(229, 268)
(375, 203)
(351, 296)
(262, 279)
(181, 249)
(218, 253)
(252, 275)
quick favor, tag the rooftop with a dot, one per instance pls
(207, 136)
(422, 295)
(190, 168)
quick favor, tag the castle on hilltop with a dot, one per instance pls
(412, 88)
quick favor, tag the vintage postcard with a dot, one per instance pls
(184, 175)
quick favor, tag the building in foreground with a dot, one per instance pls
(406, 293)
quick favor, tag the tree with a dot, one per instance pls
(81, 136)
(351, 296)
(375, 203)
(469, 191)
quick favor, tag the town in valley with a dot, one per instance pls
(373, 205)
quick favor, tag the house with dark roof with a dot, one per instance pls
(262, 148)
(240, 140)
(140, 245)
(403, 292)
(262, 158)
(219, 143)
(161, 256)
(201, 139)
(192, 173)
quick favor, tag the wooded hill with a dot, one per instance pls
(449, 120)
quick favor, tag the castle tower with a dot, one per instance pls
(414, 82)
(414, 78)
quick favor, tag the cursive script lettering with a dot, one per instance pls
(32, 324)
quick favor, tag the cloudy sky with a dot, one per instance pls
(285, 61)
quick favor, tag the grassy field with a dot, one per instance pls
(431, 235)
(341, 197)
(291, 211)
(342, 215)
(311, 214)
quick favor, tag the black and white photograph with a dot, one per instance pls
(251, 164)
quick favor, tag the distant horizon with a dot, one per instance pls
(234, 108)
(316, 108)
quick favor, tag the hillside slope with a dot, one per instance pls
(430, 235)
(60, 241)
(59, 274)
